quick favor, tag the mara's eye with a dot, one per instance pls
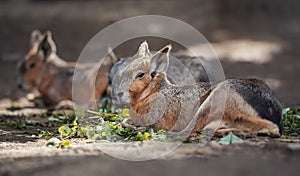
(139, 75)
(153, 74)
(32, 65)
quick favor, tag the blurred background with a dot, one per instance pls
(253, 38)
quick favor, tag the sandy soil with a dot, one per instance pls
(263, 158)
(23, 153)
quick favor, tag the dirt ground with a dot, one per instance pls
(213, 159)
(258, 38)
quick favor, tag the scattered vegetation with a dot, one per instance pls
(108, 124)
(291, 121)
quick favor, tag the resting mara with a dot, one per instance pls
(44, 70)
(250, 108)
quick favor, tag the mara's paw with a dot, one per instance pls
(193, 134)
(65, 104)
(38, 101)
(128, 123)
(238, 132)
(31, 97)
(131, 123)
(274, 132)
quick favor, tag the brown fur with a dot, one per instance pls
(44, 70)
(156, 95)
(182, 69)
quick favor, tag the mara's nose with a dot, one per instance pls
(120, 94)
(20, 85)
(117, 97)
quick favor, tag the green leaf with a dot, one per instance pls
(44, 134)
(230, 139)
(90, 133)
(81, 132)
(21, 125)
(125, 113)
(146, 136)
(65, 143)
(65, 131)
(103, 133)
(285, 111)
(53, 119)
(53, 142)
(75, 123)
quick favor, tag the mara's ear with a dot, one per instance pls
(47, 45)
(159, 61)
(143, 50)
(35, 36)
(112, 55)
